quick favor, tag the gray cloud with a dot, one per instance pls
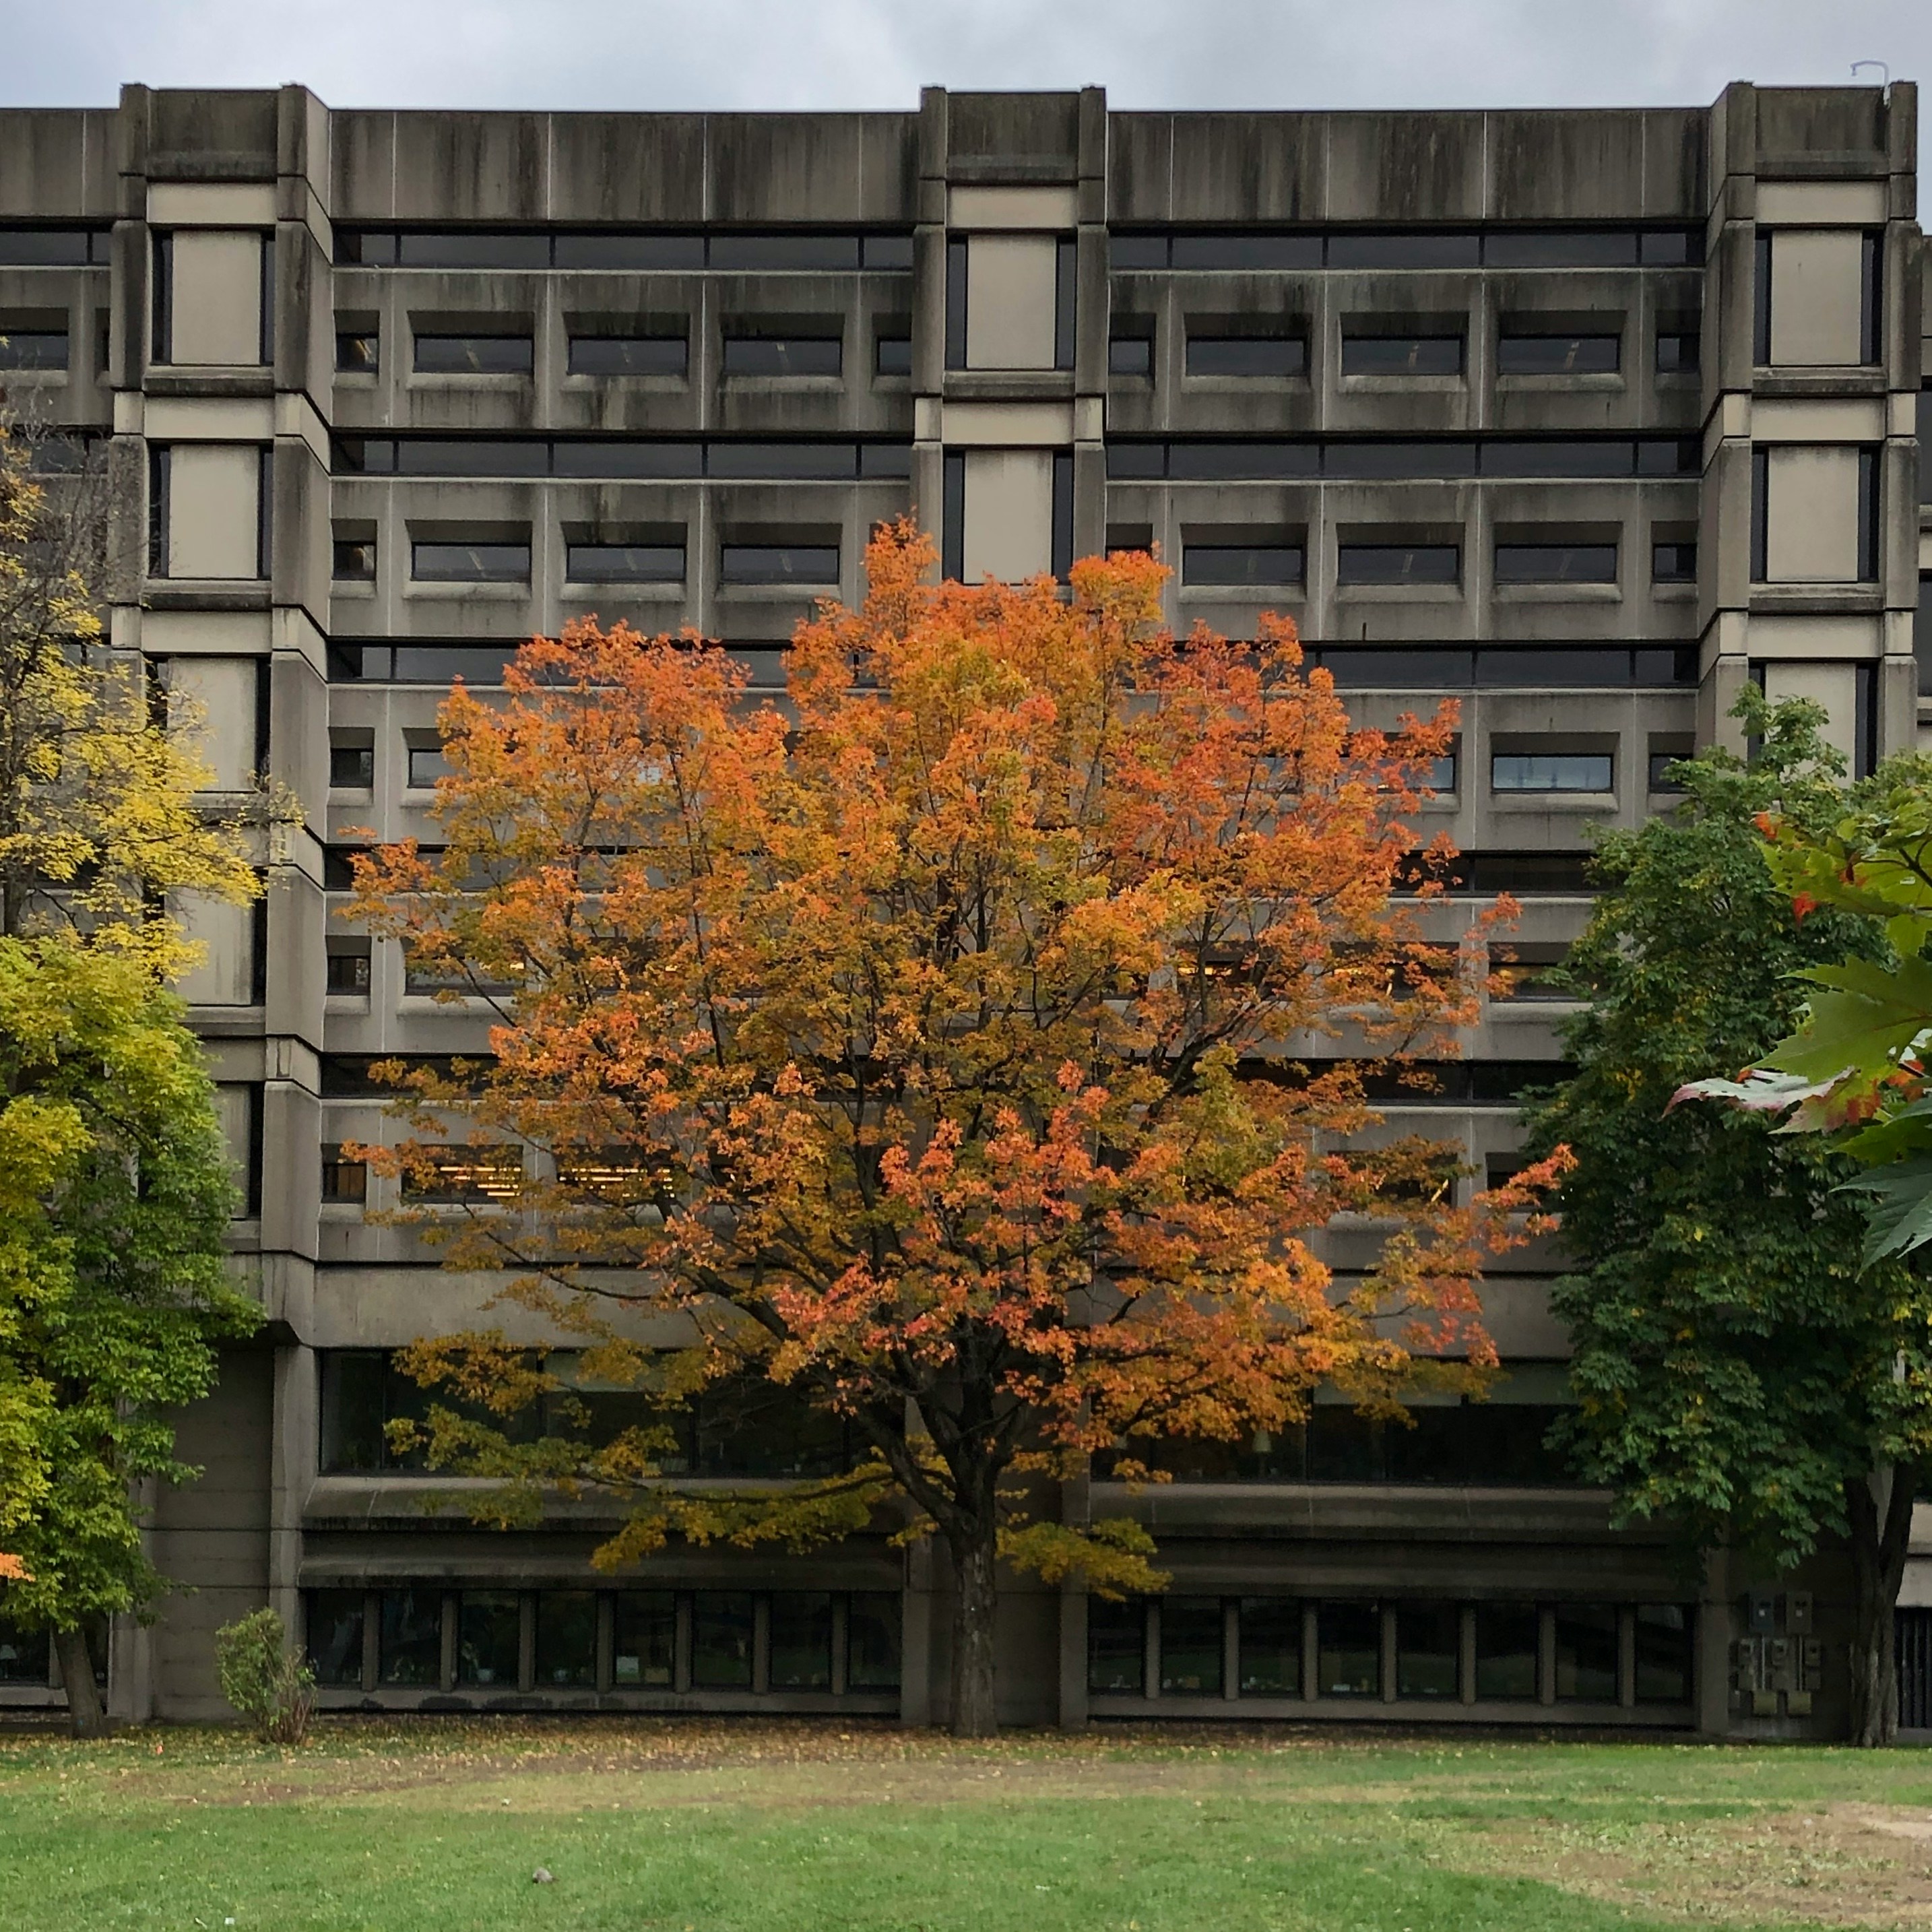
(797, 54)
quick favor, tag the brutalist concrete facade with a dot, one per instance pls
(1583, 418)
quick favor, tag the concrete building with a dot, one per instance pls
(1584, 418)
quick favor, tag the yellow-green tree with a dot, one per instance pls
(115, 1187)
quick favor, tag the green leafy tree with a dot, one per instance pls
(114, 1285)
(266, 1679)
(1740, 1374)
(115, 1186)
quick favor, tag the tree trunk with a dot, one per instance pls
(85, 1712)
(1880, 1537)
(975, 1710)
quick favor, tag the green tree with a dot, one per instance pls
(115, 1186)
(1736, 1368)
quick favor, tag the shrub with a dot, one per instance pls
(264, 1677)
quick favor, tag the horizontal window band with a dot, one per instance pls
(646, 250)
(1232, 249)
(642, 459)
(1365, 459)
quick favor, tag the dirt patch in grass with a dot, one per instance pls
(1837, 1865)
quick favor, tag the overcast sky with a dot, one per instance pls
(876, 53)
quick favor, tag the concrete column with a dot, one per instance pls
(1465, 1663)
(1712, 1690)
(1388, 1654)
(527, 1641)
(1230, 1649)
(1311, 1652)
(452, 1631)
(680, 1671)
(1072, 1656)
(1627, 1657)
(916, 1640)
(1151, 1651)
(761, 1642)
(1546, 1655)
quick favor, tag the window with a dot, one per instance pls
(349, 971)
(344, 1182)
(892, 350)
(1271, 1647)
(410, 1651)
(1246, 355)
(1130, 354)
(1665, 1657)
(25, 1655)
(1241, 565)
(1761, 299)
(352, 766)
(1537, 354)
(358, 352)
(799, 1655)
(353, 560)
(1428, 1650)
(1423, 249)
(625, 563)
(566, 1640)
(1358, 563)
(1871, 306)
(755, 1427)
(1191, 1645)
(721, 1626)
(628, 355)
(872, 1641)
(438, 562)
(438, 355)
(1507, 1640)
(643, 1650)
(1586, 1653)
(1432, 355)
(336, 1619)
(32, 348)
(956, 269)
(1065, 287)
(1524, 966)
(1760, 523)
(1556, 563)
(778, 563)
(1673, 562)
(489, 1638)
(1550, 771)
(1231, 251)
(1677, 352)
(52, 248)
(1116, 1648)
(490, 1170)
(427, 765)
(1662, 764)
(1349, 1650)
(952, 515)
(783, 354)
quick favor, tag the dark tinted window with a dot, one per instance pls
(721, 1626)
(470, 563)
(352, 765)
(627, 457)
(643, 252)
(1673, 562)
(1399, 563)
(831, 460)
(628, 355)
(1677, 351)
(1663, 766)
(1444, 249)
(335, 1623)
(1586, 1653)
(887, 251)
(644, 1638)
(410, 1650)
(1670, 247)
(1239, 251)
(1557, 354)
(784, 251)
(463, 456)
(1271, 1647)
(778, 563)
(566, 1639)
(1507, 1640)
(1129, 252)
(353, 560)
(1559, 248)
(1608, 456)
(1428, 1650)
(625, 563)
(33, 348)
(891, 355)
(1130, 355)
(51, 248)
(1349, 1650)
(1664, 1656)
(459, 249)
(872, 1641)
(801, 1640)
(1238, 564)
(1211, 462)
(1191, 1646)
(1116, 1647)
(357, 351)
(474, 354)
(1402, 354)
(1246, 355)
(348, 972)
(489, 1638)
(1556, 563)
(1443, 457)
(782, 355)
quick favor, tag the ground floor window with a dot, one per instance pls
(1439, 1650)
(26, 1657)
(421, 1637)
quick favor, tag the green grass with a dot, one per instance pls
(766, 1828)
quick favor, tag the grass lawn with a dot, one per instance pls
(703, 1826)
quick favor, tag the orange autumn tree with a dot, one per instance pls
(971, 1044)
